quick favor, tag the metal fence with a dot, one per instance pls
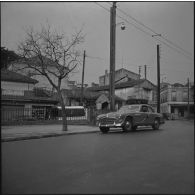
(34, 114)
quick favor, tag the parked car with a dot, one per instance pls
(129, 117)
(166, 116)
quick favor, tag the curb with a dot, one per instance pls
(45, 136)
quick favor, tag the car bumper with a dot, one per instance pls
(114, 125)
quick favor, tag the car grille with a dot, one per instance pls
(107, 121)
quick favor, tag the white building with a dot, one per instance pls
(22, 68)
(121, 75)
(174, 99)
(15, 84)
(134, 89)
(20, 98)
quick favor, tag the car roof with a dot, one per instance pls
(71, 107)
(136, 105)
(139, 105)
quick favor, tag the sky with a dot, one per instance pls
(134, 47)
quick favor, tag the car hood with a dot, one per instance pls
(109, 115)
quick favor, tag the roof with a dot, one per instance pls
(123, 69)
(178, 85)
(76, 93)
(120, 85)
(10, 76)
(136, 105)
(28, 99)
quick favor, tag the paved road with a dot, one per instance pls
(136, 162)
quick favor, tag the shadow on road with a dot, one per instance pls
(120, 131)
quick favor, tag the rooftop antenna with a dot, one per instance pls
(122, 61)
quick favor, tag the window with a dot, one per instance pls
(173, 96)
(185, 96)
(144, 109)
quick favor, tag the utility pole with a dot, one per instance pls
(83, 77)
(188, 97)
(112, 55)
(145, 68)
(139, 83)
(158, 79)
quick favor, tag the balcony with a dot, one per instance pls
(9, 92)
(37, 93)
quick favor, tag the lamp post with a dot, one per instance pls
(112, 54)
(158, 75)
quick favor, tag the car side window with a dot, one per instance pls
(144, 109)
(150, 110)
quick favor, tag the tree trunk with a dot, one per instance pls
(64, 119)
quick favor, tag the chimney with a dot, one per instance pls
(106, 75)
(106, 72)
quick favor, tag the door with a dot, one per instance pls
(140, 118)
(151, 115)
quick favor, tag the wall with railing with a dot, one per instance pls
(12, 92)
(33, 114)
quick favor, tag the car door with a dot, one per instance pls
(141, 117)
(151, 115)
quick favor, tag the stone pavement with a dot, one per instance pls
(23, 132)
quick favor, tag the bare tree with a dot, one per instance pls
(45, 48)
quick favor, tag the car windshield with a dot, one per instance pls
(129, 108)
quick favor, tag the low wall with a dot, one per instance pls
(44, 122)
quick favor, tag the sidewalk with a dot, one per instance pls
(15, 133)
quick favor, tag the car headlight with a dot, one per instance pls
(120, 118)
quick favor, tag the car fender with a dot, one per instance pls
(129, 116)
(157, 117)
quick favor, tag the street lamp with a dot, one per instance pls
(122, 25)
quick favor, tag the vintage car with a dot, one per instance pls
(129, 117)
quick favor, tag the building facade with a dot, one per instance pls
(15, 84)
(174, 99)
(21, 99)
(135, 89)
(121, 75)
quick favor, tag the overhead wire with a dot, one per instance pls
(168, 45)
(102, 6)
(183, 52)
(162, 36)
(176, 47)
(105, 59)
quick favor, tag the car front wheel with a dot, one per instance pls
(104, 129)
(156, 124)
(127, 125)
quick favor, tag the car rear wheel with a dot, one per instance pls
(134, 128)
(104, 129)
(156, 124)
(127, 125)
